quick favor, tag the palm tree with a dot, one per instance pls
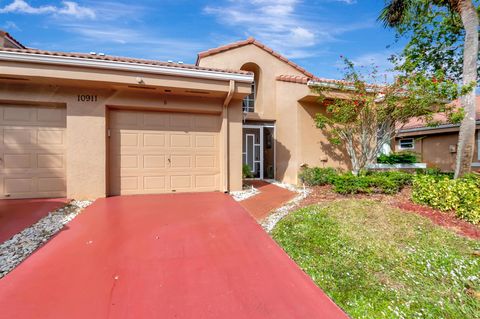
(397, 12)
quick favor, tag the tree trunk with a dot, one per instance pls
(466, 138)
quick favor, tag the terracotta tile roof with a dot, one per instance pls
(258, 44)
(293, 79)
(305, 80)
(440, 117)
(121, 59)
(7, 35)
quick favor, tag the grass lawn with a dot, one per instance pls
(376, 261)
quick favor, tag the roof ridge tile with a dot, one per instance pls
(121, 59)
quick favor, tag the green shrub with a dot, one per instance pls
(246, 171)
(317, 176)
(384, 182)
(398, 158)
(351, 184)
(445, 194)
(435, 172)
(398, 177)
(346, 183)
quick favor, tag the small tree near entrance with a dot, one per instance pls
(362, 116)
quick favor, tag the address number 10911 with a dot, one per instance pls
(87, 98)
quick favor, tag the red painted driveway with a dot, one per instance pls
(18, 214)
(162, 256)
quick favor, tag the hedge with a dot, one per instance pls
(445, 194)
(346, 183)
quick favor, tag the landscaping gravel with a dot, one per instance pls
(245, 193)
(269, 223)
(20, 246)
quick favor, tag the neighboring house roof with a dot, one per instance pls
(13, 41)
(418, 123)
(258, 44)
(102, 57)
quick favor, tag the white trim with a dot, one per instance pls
(428, 128)
(478, 145)
(389, 166)
(124, 66)
(252, 169)
(406, 148)
(262, 163)
(261, 129)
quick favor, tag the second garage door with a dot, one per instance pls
(160, 152)
(32, 151)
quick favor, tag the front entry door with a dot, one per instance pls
(253, 150)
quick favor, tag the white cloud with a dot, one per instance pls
(73, 9)
(279, 24)
(68, 8)
(10, 25)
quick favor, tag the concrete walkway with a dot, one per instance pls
(162, 256)
(270, 198)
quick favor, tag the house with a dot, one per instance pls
(93, 125)
(436, 146)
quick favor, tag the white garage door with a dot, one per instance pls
(32, 151)
(160, 152)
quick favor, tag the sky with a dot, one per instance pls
(312, 33)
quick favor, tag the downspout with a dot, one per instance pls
(226, 164)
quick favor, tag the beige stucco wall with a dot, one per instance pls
(297, 139)
(434, 149)
(270, 68)
(87, 151)
(316, 149)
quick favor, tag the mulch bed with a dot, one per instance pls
(401, 200)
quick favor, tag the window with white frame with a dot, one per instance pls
(249, 101)
(406, 144)
(478, 145)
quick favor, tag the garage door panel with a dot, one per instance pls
(19, 185)
(17, 114)
(16, 137)
(51, 184)
(51, 161)
(205, 161)
(177, 152)
(205, 141)
(155, 183)
(15, 161)
(32, 116)
(181, 182)
(180, 140)
(51, 115)
(50, 137)
(154, 161)
(32, 152)
(154, 139)
(206, 181)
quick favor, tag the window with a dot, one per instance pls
(478, 144)
(249, 101)
(406, 144)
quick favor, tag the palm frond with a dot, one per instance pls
(395, 12)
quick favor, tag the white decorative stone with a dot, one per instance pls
(21, 245)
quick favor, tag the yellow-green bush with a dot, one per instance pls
(445, 194)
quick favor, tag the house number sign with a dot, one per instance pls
(87, 98)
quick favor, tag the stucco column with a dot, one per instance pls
(86, 150)
(235, 117)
